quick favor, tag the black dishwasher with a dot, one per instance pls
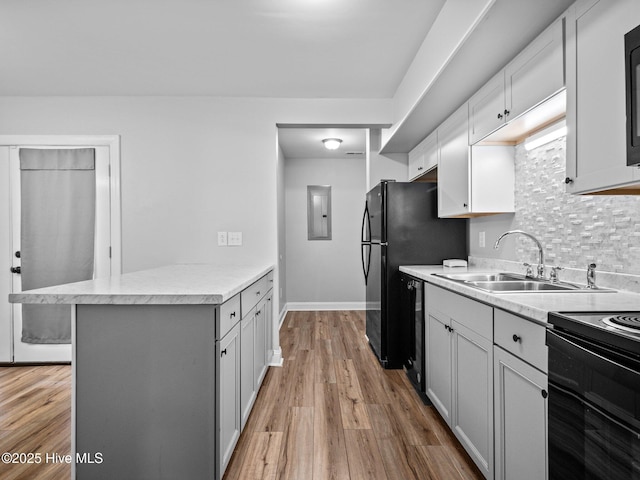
(412, 303)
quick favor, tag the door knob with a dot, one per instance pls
(15, 270)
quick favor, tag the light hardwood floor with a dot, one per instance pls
(35, 417)
(331, 412)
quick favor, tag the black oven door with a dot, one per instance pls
(594, 411)
(632, 73)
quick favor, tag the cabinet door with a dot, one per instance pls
(424, 157)
(536, 73)
(596, 141)
(269, 323)
(260, 354)
(453, 165)
(439, 366)
(247, 353)
(487, 109)
(416, 162)
(473, 395)
(228, 388)
(520, 418)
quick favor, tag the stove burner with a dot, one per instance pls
(624, 322)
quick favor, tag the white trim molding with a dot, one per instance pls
(323, 306)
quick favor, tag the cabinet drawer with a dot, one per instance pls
(474, 315)
(229, 315)
(253, 293)
(523, 338)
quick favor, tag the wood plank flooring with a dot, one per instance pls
(330, 412)
(333, 413)
(35, 417)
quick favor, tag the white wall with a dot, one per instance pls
(327, 272)
(282, 232)
(191, 166)
(393, 166)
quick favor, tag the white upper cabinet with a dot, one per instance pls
(534, 75)
(596, 141)
(476, 180)
(487, 109)
(453, 167)
(424, 157)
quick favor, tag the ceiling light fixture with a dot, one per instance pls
(332, 143)
(546, 135)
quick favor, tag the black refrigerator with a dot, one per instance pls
(400, 226)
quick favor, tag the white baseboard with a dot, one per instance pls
(320, 306)
(276, 358)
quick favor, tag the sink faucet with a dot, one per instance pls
(541, 267)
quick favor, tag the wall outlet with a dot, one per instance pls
(235, 238)
(222, 239)
(481, 239)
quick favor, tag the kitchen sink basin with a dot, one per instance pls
(522, 286)
(515, 283)
(481, 277)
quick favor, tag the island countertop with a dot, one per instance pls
(183, 284)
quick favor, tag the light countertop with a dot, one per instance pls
(171, 285)
(535, 306)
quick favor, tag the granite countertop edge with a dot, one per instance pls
(534, 306)
(182, 284)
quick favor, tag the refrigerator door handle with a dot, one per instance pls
(365, 265)
(366, 234)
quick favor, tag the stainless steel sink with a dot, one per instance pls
(522, 286)
(514, 283)
(481, 277)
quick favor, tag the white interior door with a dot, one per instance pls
(14, 350)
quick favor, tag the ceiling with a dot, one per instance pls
(253, 48)
(307, 143)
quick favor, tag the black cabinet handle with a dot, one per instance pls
(233, 314)
(568, 180)
(258, 292)
(499, 116)
(516, 338)
(258, 312)
(545, 394)
(223, 352)
(17, 270)
(17, 254)
(506, 112)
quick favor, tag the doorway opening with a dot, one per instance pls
(54, 159)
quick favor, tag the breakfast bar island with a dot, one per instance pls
(166, 366)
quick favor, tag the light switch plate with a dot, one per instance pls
(222, 239)
(235, 239)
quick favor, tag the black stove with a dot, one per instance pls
(620, 330)
(594, 395)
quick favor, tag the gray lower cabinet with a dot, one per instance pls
(520, 397)
(247, 355)
(521, 418)
(460, 370)
(228, 387)
(487, 376)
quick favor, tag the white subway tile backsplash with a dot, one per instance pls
(575, 229)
